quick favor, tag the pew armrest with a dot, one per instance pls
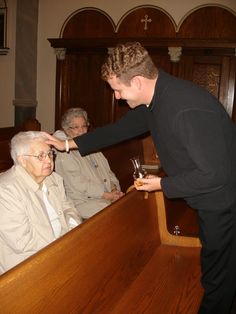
(166, 237)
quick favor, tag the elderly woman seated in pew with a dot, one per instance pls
(88, 180)
(34, 208)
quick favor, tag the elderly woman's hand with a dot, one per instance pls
(112, 196)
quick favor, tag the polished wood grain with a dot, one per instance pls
(178, 213)
(146, 22)
(5, 137)
(209, 22)
(169, 284)
(77, 89)
(115, 262)
(119, 160)
(95, 23)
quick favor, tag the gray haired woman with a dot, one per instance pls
(88, 180)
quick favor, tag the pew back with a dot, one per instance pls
(115, 262)
(5, 137)
(119, 160)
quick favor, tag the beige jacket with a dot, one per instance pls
(24, 224)
(86, 179)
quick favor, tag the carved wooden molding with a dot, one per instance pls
(60, 53)
(80, 43)
(175, 53)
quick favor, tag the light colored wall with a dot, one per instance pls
(7, 71)
(52, 15)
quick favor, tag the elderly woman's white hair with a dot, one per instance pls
(73, 113)
(21, 142)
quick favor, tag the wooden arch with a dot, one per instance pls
(88, 23)
(212, 21)
(207, 21)
(206, 39)
(146, 21)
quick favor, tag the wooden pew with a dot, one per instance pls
(122, 260)
(179, 216)
(5, 137)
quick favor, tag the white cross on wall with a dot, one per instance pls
(145, 21)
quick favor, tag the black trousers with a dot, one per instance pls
(218, 259)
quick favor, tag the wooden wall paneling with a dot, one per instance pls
(213, 72)
(88, 33)
(79, 85)
(209, 22)
(88, 23)
(206, 72)
(120, 108)
(65, 87)
(161, 58)
(212, 68)
(62, 86)
(78, 81)
(84, 81)
(185, 69)
(119, 160)
(224, 84)
(6, 134)
(229, 76)
(150, 153)
(100, 94)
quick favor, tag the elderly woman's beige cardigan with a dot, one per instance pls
(25, 227)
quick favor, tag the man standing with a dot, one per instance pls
(196, 144)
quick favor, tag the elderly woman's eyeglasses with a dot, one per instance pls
(78, 127)
(42, 156)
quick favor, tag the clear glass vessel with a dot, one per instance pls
(139, 171)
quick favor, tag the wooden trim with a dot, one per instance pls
(165, 236)
(97, 43)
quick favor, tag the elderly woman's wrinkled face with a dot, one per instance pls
(78, 126)
(39, 161)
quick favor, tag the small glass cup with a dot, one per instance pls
(139, 171)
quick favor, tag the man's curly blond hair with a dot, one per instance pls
(128, 60)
